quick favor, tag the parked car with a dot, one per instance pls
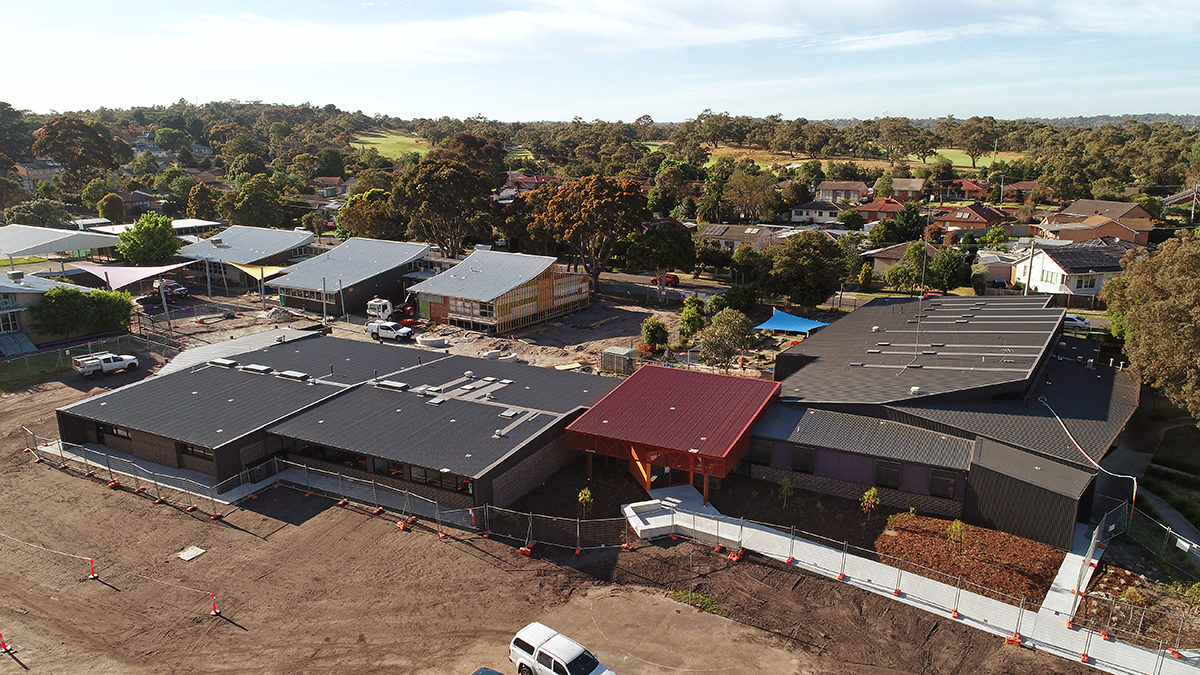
(1076, 321)
(931, 295)
(172, 288)
(388, 329)
(539, 650)
(668, 279)
(101, 363)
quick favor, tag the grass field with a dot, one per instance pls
(767, 158)
(393, 144)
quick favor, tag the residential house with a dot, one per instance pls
(1074, 269)
(977, 216)
(999, 265)
(836, 191)
(328, 186)
(141, 201)
(1020, 189)
(1086, 208)
(201, 151)
(1184, 198)
(973, 189)
(732, 236)
(879, 209)
(238, 254)
(501, 292)
(522, 183)
(32, 174)
(818, 213)
(908, 189)
(1132, 230)
(882, 259)
(18, 293)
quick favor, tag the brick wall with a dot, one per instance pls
(531, 471)
(934, 506)
(146, 446)
(252, 453)
(198, 464)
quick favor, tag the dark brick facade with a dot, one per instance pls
(934, 506)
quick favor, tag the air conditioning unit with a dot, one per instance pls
(915, 391)
(217, 241)
(16, 275)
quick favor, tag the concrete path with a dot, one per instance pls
(1179, 524)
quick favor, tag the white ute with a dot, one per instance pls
(539, 650)
(388, 329)
(95, 365)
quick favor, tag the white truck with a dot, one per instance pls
(540, 650)
(382, 309)
(388, 329)
(95, 365)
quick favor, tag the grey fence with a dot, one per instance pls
(1164, 543)
(58, 359)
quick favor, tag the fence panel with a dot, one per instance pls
(509, 524)
(553, 531)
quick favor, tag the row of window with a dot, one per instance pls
(1088, 281)
(8, 322)
(461, 307)
(103, 430)
(887, 473)
(1052, 277)
(195, 451)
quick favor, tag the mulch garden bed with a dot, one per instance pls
(1018, 568)
(1133, 607)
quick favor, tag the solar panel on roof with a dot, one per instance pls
(716, 230)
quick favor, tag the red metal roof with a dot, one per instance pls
(680, 410)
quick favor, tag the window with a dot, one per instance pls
(195, 451)
(760, 452)
(1085, 282)
(8, 322)
(887, 474)
(544, 660)
(523, 646)
(442, 479)
(941, 484)
(110, 430)
(804, 460)
(559, 669)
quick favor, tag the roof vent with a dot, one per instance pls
(914, 365)
(470, 374)
(391, 385)
(856, 364)
(876, 329)
(874, 351)
(433, 390)
(420, 391)
(937, 344)
(962, 321)
(884, 344)
(16, 275)
(223, 363)
(928, 351)
(217, 241)
(506, 381)
(915, 391)
(470, 387)
(257, 369)
(435, 401)
(293, 375)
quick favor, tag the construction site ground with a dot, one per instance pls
(306, 586)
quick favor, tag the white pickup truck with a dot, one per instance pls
(388, 329)
(95, 365)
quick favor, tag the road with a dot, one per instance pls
(639, 284)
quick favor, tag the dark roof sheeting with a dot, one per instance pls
(864, 435)
(353, 262)
(244, 245)
(1052, 476)
(679, 410)
(486, 275)
(940, 345)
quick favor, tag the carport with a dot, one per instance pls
(674, 426)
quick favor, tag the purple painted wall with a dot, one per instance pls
(914, 478)
(845, 466)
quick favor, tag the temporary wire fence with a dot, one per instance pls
(58, 359)
(1166, 545)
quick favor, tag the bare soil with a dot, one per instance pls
(306, 586)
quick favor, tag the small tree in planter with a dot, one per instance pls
(585, 502)
(869, 502)
(954, 533)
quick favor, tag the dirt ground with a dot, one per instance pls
(306, 586)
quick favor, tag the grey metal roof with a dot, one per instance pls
(1010, 461)
(208, 406)
(486, 275)
(192, 403)
(21, 240)
(878, 352)
(245, 245)
(354, 261)
(33, 284)
(229, 348)
(1094, 404)
(864, 435)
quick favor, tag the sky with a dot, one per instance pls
(612, 59)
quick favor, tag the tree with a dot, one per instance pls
(16, 135)
(785, 490)
(330, 163)
(314, 222)
(662, 247)
(885, 232)
(63, 311)
(806, 267)
(372, 179)
(585, 502)
(752, 196)
(654, 333)
(869, 502)
(247, 163)
(910, 222)
(150, 241)
(977, 136)
(110, 310)
(111, 207)
(795, 194)
(40, 212)
(590, 215)
(691, 321)
(74, 144)
(905, 275)
(749, 262)
(443, 202)
(995, 237)
(946, 270)
(729, 333)
(202, 203)
(741, 297)
(257, 204)
(93, 192)
(170, 139)
(1152, 304)
(370, 215)
(711, 254)
(851, 219)
(11, 193)
(865, 276)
